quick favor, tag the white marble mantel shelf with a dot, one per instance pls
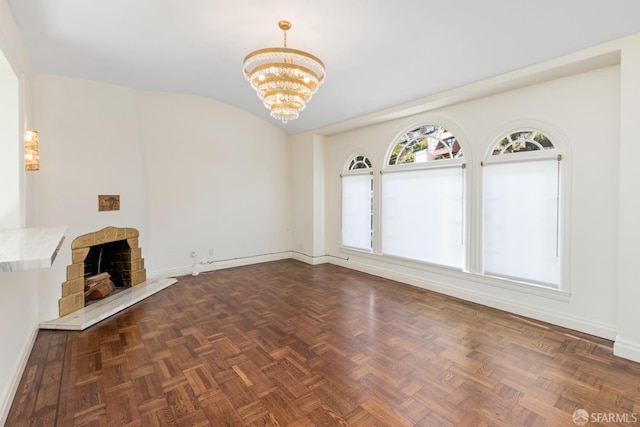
(29, 248)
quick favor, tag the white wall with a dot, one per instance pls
(302, 167)
(10, 144)
(192, 174)
(89, 145)
(18, 290)
(584, 108)
(628, 340)
(218, 178)
(19, 320)
(308, 198)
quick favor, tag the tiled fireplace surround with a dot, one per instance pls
(73, 288)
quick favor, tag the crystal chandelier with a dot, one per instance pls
(284, 79)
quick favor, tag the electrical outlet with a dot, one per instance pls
(212, 252)
(193, 254)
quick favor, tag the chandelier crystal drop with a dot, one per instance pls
(284, 79)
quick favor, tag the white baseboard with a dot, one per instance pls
(298, 256)
(626, 349)
(561, 319)
(212, 265)
(10, 392)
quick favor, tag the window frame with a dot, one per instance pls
(559, 153)
(420, 165)
(453, 162)
(472, 236)
(347, 171)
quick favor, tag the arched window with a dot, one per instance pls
(423, 197)
(522, 141)
(359, 162)
(357, 204)
(522, 193)
(424, 144)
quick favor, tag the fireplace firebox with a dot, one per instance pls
(112, 250)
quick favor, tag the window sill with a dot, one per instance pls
(30, 248)
(497, 282)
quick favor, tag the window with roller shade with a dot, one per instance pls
(521, 219)
(423, 197)
(357, 204)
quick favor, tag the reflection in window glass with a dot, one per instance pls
(522, 141)
(424, 144)
(359, 162)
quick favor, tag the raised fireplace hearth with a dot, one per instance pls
(113, 250)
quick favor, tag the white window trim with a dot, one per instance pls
(354, 172)
(433, 164)
(437, 164)
(562, 148)
(472, 269)
(466, 276)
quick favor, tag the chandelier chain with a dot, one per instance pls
(285, 38)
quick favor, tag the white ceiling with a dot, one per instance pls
(377, 53)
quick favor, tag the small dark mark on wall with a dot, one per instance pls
(109, 202)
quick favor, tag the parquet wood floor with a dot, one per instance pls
(288, 344)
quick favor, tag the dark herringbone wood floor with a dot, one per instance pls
(288, 344)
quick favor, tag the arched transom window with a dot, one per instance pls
(424, 144)
(359, 162)
(522, 141)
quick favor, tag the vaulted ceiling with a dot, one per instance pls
(377, 53)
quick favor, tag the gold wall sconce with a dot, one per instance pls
(31, 150)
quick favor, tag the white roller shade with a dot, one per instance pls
(356, 211)
(520, 220)
(422, 215)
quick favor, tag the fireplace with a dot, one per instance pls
(113, 258)
(112, 250)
